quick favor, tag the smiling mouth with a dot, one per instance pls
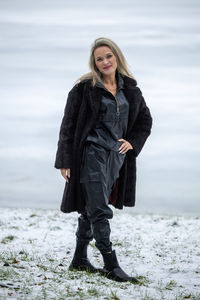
(107, 67)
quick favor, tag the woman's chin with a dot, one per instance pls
(108, 72)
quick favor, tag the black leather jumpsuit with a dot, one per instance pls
(101, 162)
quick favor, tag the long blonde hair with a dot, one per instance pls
(95, 74)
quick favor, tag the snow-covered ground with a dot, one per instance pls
(36, 247)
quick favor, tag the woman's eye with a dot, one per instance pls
(108, 56)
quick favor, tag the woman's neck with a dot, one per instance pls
(109, 80)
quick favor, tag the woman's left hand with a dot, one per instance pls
(125, 146)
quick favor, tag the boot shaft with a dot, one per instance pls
(81, 250)
(110, 260)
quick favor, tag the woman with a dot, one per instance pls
(105, 125)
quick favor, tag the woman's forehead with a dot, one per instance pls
(102, 50)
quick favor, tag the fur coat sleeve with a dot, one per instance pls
(142, 126)
(67, 129)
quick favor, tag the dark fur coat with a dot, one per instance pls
(80, 113)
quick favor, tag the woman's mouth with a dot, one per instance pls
(107, 67)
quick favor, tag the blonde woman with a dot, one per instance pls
(105, 125)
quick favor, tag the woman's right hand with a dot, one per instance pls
(65, 173)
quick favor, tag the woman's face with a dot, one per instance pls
(105, 60)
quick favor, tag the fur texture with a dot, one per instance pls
(80, 113)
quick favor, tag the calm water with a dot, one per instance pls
(45, 48)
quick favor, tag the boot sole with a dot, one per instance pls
(83, 268)
(109, 275)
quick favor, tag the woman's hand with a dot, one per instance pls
(65, 173)
(125, 146)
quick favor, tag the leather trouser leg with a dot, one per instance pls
(100, 169)
(84, 230)
(98, 213)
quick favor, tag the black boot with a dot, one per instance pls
(80, 261)
(112, 269)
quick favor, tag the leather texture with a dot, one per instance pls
(112, 120)
(80, 114)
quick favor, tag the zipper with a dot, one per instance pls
(117, 105)
(115, 100)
